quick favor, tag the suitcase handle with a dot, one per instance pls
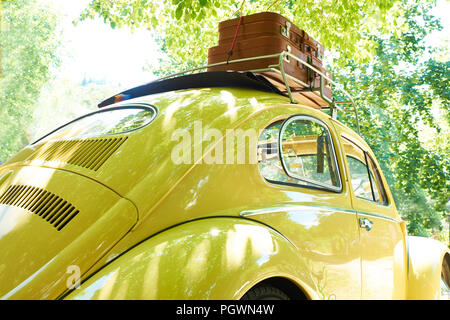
(286, 30)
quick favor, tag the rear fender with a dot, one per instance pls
(213, 258)
(425, 261)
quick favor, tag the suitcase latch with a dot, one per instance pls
(285, 30)
(287, 58)
(319, 54)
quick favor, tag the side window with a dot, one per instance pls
(268, 159)
(377, 185)
(308, 157)
(364, 175)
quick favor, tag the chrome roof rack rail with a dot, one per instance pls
(279, 68)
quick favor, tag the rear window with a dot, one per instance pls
(105, 122)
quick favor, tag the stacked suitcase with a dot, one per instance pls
(269, 33)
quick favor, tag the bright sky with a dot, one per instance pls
(442, 11)
(98, 52)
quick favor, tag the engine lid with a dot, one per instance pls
(54, 225)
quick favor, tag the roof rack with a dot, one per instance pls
(279, 68)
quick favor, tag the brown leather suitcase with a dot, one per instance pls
(267, 24)
(270, 33)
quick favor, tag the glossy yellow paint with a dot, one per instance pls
(35, 255)
(320, 223)
(424, 268)
(383, 254)
(217, 258)
(153, 228)
(334, 262)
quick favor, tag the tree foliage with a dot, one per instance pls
(397, 94)
(186, 28)
(28, 42)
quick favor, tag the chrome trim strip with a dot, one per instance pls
(249, 213)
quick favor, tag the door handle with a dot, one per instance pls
(365, 223)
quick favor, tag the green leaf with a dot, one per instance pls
(179, 11)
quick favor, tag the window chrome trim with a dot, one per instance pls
(127, 106)
(290, 184)
(317, 184)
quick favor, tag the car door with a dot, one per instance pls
(381, 236)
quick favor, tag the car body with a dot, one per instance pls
(150, 198)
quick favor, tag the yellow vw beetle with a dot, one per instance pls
(207, 186)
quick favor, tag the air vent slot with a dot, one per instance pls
(86, 153)
(46, 205)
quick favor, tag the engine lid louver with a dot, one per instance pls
(86, 153)
(46, 205)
